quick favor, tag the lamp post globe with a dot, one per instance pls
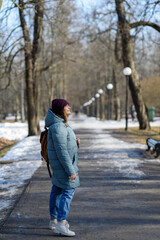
(100, 91)
(127, 71)
(109, 86)
(97, 95)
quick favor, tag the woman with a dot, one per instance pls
(63, 158)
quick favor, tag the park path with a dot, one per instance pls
(119, 196)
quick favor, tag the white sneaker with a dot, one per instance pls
(66, 223)
(52, 223)
(62, 228)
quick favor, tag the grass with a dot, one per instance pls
(134, 135)
(141, 135)
(5, 149)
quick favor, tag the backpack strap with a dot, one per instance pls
(49, 171)
(48, 165)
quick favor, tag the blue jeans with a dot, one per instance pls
(60, 200)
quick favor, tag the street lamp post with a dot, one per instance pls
(127, 72)
(96, 105)
(100, 91)
(109, 88)
(90, 107)
(85, 108)
(93, 99)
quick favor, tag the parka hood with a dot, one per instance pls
(52, 118)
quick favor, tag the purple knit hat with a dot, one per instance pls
(58, 105)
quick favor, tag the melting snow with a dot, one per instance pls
(25, 155)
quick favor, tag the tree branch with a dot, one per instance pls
(24, 26)
(8, 38)
(8, 69)
(144, 23)
(38, 23)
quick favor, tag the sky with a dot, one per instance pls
(13, 18)
(88, 3)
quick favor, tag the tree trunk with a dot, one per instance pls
(38, 24)
(116, 96)
(127, 54)
(32, 65)
(1, 3)
(22, 101)
(17, 108)
(117, 61)
(32, 130)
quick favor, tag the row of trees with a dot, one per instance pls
(58, 50)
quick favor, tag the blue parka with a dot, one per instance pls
(62, 152)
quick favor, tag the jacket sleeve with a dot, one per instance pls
(59, 136)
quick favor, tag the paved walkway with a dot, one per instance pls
(107, 206)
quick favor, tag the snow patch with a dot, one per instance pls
(26, 159)
(120, 156)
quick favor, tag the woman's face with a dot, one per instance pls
(67, 110)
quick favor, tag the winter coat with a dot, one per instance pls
(62, 152)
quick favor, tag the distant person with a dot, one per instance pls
(133, 112)
(63, 158)
(76, 112)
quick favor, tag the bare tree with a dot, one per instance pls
(75, 56)
(127, 53)
(32, 62)
(58, 49)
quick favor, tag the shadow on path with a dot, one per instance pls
(108, 205)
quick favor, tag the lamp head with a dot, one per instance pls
(127, 71)
(100, 91)
(97, 95)
(109, 86)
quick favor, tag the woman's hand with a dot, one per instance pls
(78, 141)
(73, 177)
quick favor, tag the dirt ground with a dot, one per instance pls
(128, 137)
(5, 145)
(5, 142)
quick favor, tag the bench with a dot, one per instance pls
(154, 145)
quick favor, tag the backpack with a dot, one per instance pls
(44, 153)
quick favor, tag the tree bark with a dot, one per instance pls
(144, 23)
(28, 72)
(127, 54)
(117, 108)
(117, 60)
